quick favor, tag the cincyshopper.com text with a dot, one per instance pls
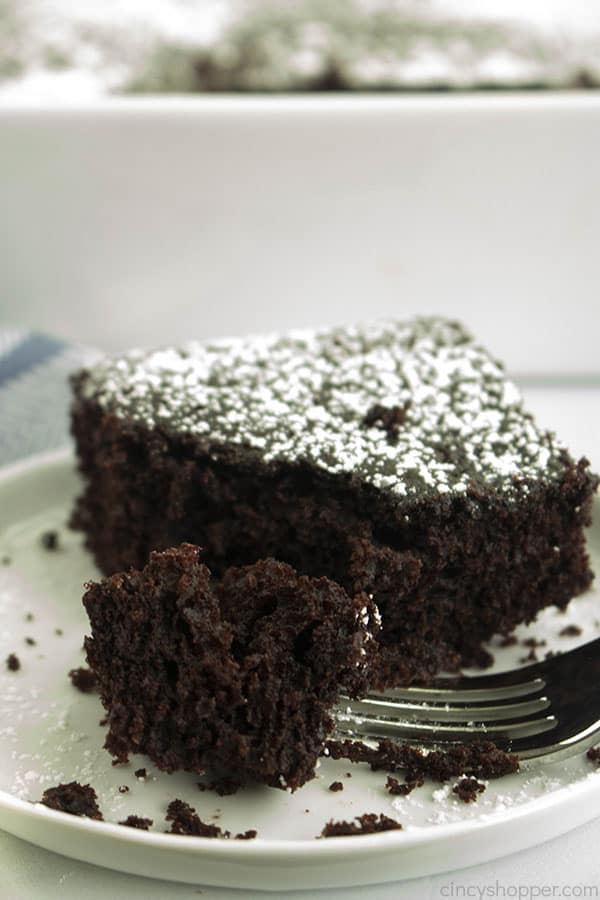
(456, 891)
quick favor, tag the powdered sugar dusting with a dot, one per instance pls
(305, 396)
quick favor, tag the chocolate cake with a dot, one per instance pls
(73, 798)
(393, 457)
(368, 823)
(236, 677)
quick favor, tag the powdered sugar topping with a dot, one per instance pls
(309, 396)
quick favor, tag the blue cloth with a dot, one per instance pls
(34, 391)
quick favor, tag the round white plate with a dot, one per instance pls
(50, 733)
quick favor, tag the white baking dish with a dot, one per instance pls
(151, 220)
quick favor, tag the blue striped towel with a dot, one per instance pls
(34, 391)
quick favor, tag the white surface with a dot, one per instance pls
(147, 222)
(574, 415)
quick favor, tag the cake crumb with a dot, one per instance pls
(368, 823)
(73, 798)
(140, 773)
(123, 788)
(137, 822)
(509, 640)
(593, 753)
(31, 642)
(223, 787)
(481, 759)
(246, 835)
(468, 789)
(570, 631)
(59, 632)
(185, 821)
(13, 663)
(83, 679)
(403, 789)
(49, 540)
(531, 657)
(336, 786)
(533, 642)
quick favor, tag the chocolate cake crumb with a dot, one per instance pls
(468, 789)
(137, 822)
(13, 663)
(83, 679)
(224, 787)
(31, 642)
(73, 798)
(336, 786)
(228, 653)
(388, 418)
(402, 789)
(246, 835)
(348, 774)
(140, 773)
(185, 821)
(509, 640)
(593, 753)
(531, 657)
(533, 642)
(49, 540)
(123, 788)
(480, 759)
(368, 823)
(570, 631)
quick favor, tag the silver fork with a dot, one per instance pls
(547, 708)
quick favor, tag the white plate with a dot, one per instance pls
(49, 733)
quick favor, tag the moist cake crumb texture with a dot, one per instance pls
(477, 759)
(73, 798)
(468, 789)
(134, 821)
(236, 678)
(83, 679)
(13, 663)
(368, 823)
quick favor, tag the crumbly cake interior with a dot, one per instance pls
(395, 458)
(237, 678)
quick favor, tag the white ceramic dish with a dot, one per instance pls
(147, 220)
(49, 733)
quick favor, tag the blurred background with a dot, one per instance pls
(187, 168)
(61, 49)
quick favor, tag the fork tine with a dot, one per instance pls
(432, 734)
(386, 707)
(465, 690)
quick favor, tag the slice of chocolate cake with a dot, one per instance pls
(394, 458)
(237, 678)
